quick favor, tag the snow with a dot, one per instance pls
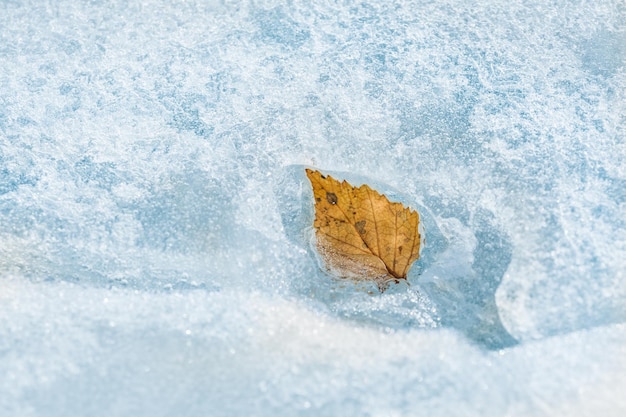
(155, 254)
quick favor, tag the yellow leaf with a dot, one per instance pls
(360, 234)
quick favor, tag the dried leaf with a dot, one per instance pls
(360, 234)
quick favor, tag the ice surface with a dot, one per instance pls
(155, 253)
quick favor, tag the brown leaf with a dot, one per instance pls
(360, 234)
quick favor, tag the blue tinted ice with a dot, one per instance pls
(155, 241)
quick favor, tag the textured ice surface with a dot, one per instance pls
(155, 253)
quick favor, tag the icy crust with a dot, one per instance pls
(149, 138)
(126, 352)
(144, 159)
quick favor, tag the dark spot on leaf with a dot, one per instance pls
(400, 249)
(331, 197)
(360, 226)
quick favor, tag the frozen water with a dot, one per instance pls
(155, 253)
(75, 350)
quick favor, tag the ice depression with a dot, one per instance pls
(152, 260)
